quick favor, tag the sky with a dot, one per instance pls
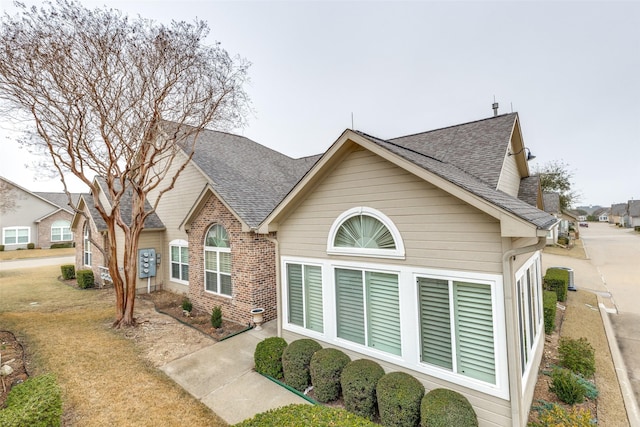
(570, 69)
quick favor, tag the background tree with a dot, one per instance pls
(555, 176)
(117, 98)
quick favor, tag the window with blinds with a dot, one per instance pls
(217, 261)
(304, 289)
(368, 309)
(456, 327)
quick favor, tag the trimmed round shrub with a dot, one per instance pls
(399, 397)
(68, 271)
(85, 279)
(443, 408)
(325, 368)
(295, 363)
(359, 380)
(268, 356)
(35, 402)
(566, 386)
(306, 415)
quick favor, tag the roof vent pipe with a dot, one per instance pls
(495, 109)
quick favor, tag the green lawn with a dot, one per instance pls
(103, 380)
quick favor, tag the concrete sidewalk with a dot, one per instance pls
(222, 377)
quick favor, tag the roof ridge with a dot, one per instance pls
(454, 126)
(402, 147)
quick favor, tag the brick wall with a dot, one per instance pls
(253, 268)
(97, 259)
(44, 228)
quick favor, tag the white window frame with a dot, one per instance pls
(179, 244)
(86, 247)
(57, 226)
(532, 268)
(305, 298)
(17, 230)
(217, 250)
(409, 319)
(397, 253)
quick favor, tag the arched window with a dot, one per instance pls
(86, 246)
(365, 231)
(217, 261)
(61, 231)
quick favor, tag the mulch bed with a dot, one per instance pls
(12, 354)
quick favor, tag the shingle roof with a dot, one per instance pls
(551, 202)
(634, 208)
(93, 212)
(60, 199)
(529, 188)
(619, 209)
(468, 182)
(251, 178)
(151, 222)
(477, 148)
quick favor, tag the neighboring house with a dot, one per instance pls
(416, 252)
(34, 217)
(634, 213)
(602, 214)
(551, 202)
(619, 211)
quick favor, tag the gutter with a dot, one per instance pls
(515, 381)
(278, 290)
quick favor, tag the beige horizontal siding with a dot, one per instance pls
(491, 411)
(439, 230)
(509, 180)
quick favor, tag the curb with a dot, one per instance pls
(633, 414)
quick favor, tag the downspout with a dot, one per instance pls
(515, 381)
(278, 290)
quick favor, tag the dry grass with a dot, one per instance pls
(576, 250)
(104, 381)
(35, 253)
(582, 319)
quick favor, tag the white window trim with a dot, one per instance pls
(16, 228)
(68, 226)
(397, 253)
(178, 243)
(86, 247)
(534, 264)
(217, 250)
(409, 315)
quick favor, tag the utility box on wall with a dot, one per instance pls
(146, 263)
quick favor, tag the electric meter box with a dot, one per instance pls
(146, 263)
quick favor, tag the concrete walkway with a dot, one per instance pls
(36, 262)
(222, 377)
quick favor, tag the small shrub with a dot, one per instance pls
(216, 317)
(61, 245)
(306, 415)
(325, 368)
(557, 280)
(590, 389)
(637, 228)
(68, 271)
(565, 385)
(31, 245)
(577, 356)
(36, 402)
(187, 305)
(556, 416)
(549, 310)
(444, 408)
(295, 363)
(399, 397)
(268, 357)
(85, 279)
(358, 381)
(1, 248)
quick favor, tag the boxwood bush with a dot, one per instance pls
(306, 415)
(268, 357)
(359, 380)
(549, 299)
(68, 271)
(399, 397)
(295, 363)
(443, 408)
(557, 280)
(85, 279)
(35, 402)
(577, 355)
(325, 368)
(566, 386)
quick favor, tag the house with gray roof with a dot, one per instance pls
(634, 213)
(420, 253)
(40, 218)
(619, 211)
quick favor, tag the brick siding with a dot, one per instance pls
(44, 228)
(253, 268)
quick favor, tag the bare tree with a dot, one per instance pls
(118, 98)
(8, 197)
(555, 176)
